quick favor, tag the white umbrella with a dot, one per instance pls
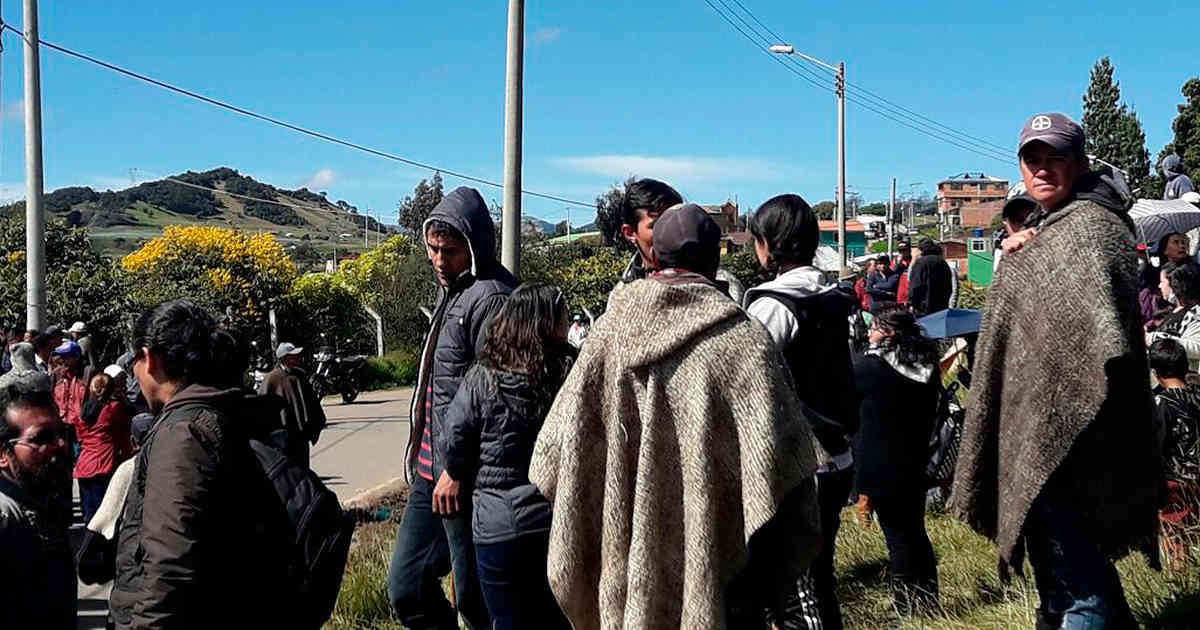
(1155, 219)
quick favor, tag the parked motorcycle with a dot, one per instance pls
(337, 374)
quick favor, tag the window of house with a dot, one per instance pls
(955, 186)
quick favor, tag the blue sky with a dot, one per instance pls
(661, 88)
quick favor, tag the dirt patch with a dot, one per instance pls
(384, 502)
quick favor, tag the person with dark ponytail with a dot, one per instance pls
(492, 425)
(198, 545)
(807, 317)
(899, 394)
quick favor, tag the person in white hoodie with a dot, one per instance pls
(806, 317)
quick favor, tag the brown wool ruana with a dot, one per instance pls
(1061, 387)
(675, 438)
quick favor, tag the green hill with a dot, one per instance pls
(119, 222)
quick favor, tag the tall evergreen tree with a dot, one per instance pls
(1114, 133)
(1187, 129)
(608, 215)
(416, 208)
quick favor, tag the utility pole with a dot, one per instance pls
(366, 224)
(510, 251)
(891, 222)
(841, 198)
(568, 225)
(35, 220)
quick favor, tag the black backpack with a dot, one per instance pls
(945, 439)
(320, 531)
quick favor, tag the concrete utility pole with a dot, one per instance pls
(841, 207)
(568, 225)
(510, 251)
(35, 220)
(891, 219)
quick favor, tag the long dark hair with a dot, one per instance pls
(907, 339)
(523, 337)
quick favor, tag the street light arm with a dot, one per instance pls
(788, 49)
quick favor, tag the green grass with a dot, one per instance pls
(972, 597)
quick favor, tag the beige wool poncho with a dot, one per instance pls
(674, 439)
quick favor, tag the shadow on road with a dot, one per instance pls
(360, 402)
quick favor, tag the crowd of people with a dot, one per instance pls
(686, 462)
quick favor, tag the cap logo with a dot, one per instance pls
(1041, 123)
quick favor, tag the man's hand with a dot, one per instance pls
(1018, 240)
(445, 495)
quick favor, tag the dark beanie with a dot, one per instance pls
(686, 238)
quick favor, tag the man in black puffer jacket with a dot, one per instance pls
(461, 242)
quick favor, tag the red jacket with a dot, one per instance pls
(902, 290)
(69, 394)
(860, 291)
(105, 444)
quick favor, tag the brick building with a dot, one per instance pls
(725, 215)
(970, 199)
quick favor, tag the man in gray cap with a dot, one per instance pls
(302, 416)
(1061, 391)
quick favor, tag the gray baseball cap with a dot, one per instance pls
(286, 349)
(1053, 128)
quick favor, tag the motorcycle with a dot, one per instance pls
(337, 374)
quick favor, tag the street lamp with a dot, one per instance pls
(840, 89)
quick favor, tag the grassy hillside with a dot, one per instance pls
(119, 222)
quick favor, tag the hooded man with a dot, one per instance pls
(1061, 392)
(302, 416)
(1178, 183)
(461, 242)
(37, 583)
(677, 456)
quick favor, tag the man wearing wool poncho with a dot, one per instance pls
(677, 456)
(1058, 455)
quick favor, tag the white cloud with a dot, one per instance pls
(321, 179)
(677, 168)
(546, 35)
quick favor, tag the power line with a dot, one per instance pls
(911, 119)
(764, 51)
(275, 121)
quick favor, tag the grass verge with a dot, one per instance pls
(972, 597)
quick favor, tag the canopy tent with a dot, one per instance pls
(1154, 219)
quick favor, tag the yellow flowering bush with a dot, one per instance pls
(231, 272)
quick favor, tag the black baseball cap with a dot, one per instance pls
(685, 237)
(1053, 128)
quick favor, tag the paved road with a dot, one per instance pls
(362, 446)
(363, 443)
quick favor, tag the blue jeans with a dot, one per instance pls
(1079, 588)
(91, 494)
(513, 577)
(427, 545)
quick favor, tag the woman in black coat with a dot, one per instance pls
(897, 381)
(492, 425)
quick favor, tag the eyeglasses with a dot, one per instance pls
(43, 438)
